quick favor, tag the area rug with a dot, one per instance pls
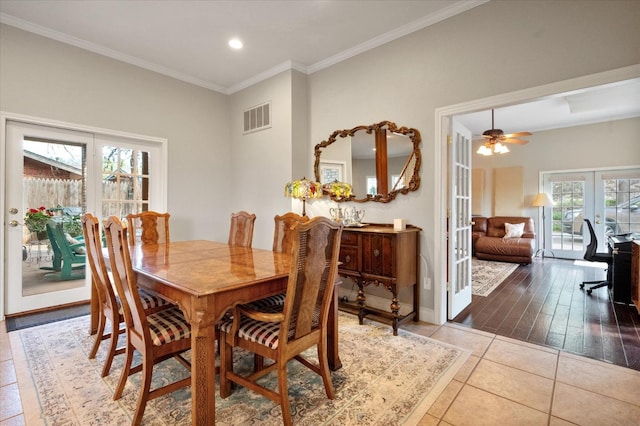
(487, 275)
(385, 380)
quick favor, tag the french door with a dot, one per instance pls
(610, 199)
(459, 241)
(62, 174)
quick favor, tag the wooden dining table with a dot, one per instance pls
(205, 279)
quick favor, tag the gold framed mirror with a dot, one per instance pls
(380, 161)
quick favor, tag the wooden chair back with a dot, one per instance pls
(148, 227)
(314, 268)
(158, 336)
(107, 300)
(283, 334)
(283, 234)
(241, 229)
(124, 278)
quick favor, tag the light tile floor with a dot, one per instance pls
(504, 382)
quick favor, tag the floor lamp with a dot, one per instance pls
(543, 200)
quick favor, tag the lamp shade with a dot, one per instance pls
(338, 189)
(303, 189)
(542, 200)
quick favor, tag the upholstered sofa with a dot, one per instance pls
(491, 242)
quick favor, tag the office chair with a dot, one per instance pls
(592, 255)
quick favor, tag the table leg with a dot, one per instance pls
(203, 372)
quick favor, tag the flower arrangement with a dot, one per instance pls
(36, 219)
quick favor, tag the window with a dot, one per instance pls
(125, 181)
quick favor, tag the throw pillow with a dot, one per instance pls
(513, 230)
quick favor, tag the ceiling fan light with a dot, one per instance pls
(500, 148)
(484, 150)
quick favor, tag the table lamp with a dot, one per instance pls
(303, 189)
(543, 200)
(338, 189)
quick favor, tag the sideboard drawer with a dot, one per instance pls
(378, 255)
(349, 239)
(349, 257)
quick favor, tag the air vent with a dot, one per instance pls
(257, 118)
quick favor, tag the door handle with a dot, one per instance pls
(13, 223)
(13, 210)
(598, 222)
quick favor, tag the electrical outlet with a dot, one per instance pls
(426, 283)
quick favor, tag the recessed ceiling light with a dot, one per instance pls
(235, 43)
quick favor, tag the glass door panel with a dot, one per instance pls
(573, 197)
(47, 171)
(125, 181)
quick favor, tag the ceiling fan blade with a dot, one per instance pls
(518, 134)
(516, 141)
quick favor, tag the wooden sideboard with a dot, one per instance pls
(378, 255)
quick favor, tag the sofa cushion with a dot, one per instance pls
(514, 230)
(495, 226)
(520, 247)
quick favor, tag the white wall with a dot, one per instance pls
(47, 79)
(461, 59)
(263, 162)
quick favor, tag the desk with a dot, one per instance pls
(206, 279)
(620, 247)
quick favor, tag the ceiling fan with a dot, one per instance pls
(494, 139)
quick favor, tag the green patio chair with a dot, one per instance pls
(66, 263)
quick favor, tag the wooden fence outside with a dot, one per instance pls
(51, 193)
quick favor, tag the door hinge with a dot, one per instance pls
(449, 140)
(448, 285)
(448, 212)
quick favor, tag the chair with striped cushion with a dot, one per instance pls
(110, 309)
(148, 227)
(156, 337)
(301, 324)
(283, 237)
(241, 229)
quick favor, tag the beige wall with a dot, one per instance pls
(263, 162)
(594, 146)
(212, 170)
(43, 78)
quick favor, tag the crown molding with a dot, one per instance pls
(104, 51)
(285, 66)
(454, 9)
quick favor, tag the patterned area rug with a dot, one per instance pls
(384, 380)
(486, 275)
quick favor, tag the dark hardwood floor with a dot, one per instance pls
(542, 303)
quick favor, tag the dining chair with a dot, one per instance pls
(109, 307)
(157, 337)
(301, 323)
(241, 229)
(283, 239)
(148, 227)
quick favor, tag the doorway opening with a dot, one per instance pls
(444, 118)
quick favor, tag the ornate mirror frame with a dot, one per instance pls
(379, 130)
